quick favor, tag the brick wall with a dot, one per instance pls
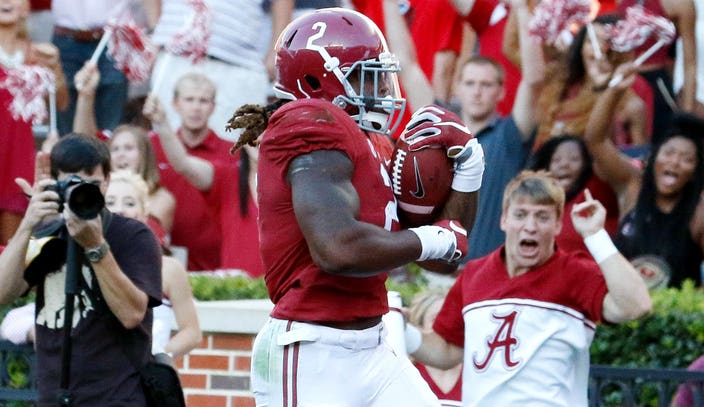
(216, 374)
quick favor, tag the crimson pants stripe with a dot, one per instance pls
(293, 374)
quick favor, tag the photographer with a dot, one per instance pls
(118, 283)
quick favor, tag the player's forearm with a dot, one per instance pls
(363, 250)
(461, 206)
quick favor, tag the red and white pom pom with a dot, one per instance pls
(661, 27)
(131, 49)
(637, 27)
(553, 19)
(28, 84)
(192, 41)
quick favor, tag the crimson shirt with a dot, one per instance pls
(435, 26)
(240, 237)
(17, 153)
(484, 20)
(196, 225)
(299, 289)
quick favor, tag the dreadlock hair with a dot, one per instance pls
(243, 181)
(253, 119)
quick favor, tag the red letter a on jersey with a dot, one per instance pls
(503, 339)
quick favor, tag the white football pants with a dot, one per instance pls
(306, 365)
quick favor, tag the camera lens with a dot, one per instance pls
(85, 200)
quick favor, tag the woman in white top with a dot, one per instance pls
(127, 195)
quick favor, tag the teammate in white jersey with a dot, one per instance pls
(521, 319)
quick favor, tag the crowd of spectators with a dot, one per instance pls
(636, 146)
(471, 55)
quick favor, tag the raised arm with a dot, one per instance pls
(281, 13)
(419, 91)
(198, 172)
(532, 72)
(609, 163)
(683, 14)
(627, 297)
(152, 9)
(326, 206)
(635, 114)
(86, 80)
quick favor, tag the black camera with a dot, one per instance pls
(83, 198)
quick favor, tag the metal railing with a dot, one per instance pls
(632, 387)
(17, 374)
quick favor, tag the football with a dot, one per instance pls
(421, 181)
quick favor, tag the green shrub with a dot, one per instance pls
(406, 280)
(216, 288)
(672, 337)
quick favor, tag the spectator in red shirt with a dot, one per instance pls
(229, 189)
(196, 224)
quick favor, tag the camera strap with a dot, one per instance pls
(74, 262)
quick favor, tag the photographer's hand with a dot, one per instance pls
(42, 203)
(125, 300)
(87, 233)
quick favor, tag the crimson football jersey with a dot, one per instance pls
(298, 288)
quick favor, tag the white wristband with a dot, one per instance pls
(600, 246)
(468, 173)
(414, 338)
(436, 242)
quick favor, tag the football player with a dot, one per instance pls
(328, 220)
